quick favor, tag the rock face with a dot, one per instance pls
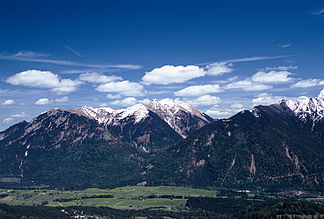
(268, 147)
(136, 125)
(183, 118)
(157, 124)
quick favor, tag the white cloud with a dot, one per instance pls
(178, 74)
(145, 101)
(247, 85)
(308, 83)
(66, 86)
(43, 101)
(7, 120)
(129, 101)
(218, 68)
(19, 115)
(272, 77)
(198, 90)
(8, 102)
(218, 112)
(11, 118)
(38, 59)
(172, 74)
(94, 77)
(319, 12)
(62, 99)
(266, 99)
(29, 54)
(43, 79)
(73, 51)
(282, 68)
(124, 88)
(205, 100)
(286, 45)
(111, 96)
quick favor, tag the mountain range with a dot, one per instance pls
(168, 142)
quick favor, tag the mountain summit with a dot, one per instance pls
(181, 117)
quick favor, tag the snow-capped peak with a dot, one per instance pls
(180, 116)
(173, 106)
(106, 115)
(305, 107)
(172, 112)
(99, 114)
(139, 111)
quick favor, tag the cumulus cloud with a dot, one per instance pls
(172, 74)
(198, 90)
(12, 117)
(7, 120)
(218, 112)
(62, 99)
(308, 83)
(218, 68)
(205, 100)
(43, 79)
(94, 77)
(129, 101)
(8, 102)
(66, 86)
(272, 77)
(178, 74)
(42, 101)
(266, 99)
(247, 85)
(145, 101)
(124, 88)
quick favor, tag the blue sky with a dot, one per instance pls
(220, 56)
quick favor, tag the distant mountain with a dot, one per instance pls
(168, 142)
(183, 118)
(136, 125)
(157, 124)
(60, 148)
(276, 146)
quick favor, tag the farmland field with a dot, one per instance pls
(131, 197)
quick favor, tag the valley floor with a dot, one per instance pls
(161, 201)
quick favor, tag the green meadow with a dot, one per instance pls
(130, 197)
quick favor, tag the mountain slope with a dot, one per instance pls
(266, 147)
(136, 124)
(183, 118)
(60, 148)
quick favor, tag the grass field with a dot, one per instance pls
(131, 197)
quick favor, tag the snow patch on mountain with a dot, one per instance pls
(139, 111)
(305, 107)
(106, 115)
(172, 112)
